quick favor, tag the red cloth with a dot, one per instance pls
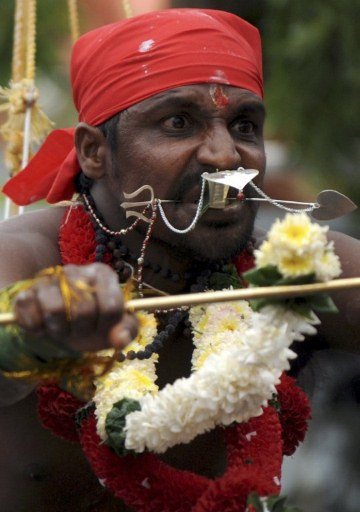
(119, 65)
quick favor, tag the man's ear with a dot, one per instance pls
(92, 151)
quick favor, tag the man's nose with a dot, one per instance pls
(218, 149)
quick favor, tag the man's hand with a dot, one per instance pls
(83, 307)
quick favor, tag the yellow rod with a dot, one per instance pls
(31, 40)
(128, 11)
(18, 59)
(268, 292)
(74, 20)
(194, 299)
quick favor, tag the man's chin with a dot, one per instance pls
(215, 243)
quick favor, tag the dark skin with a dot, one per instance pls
(167, 142)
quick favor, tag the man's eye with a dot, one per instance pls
(244, 126)
(178, 122)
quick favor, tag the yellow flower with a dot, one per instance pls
(297, 232)
(293, 265)
(265, 255)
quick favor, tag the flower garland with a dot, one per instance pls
(237, 364)
(254, 457)
(238, 361)
(130, 379)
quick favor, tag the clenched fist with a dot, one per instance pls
(82, 306)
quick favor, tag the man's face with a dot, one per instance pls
(169, 140)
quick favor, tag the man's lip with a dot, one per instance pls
(194, 196)
(230, 214)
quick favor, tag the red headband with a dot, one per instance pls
(121, 64)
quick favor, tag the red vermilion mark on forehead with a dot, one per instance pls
(218, 96)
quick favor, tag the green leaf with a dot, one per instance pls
(227, 278)
(255, 501)
(277, 504)
(265, 276)
(257, 304)
(307, 279)
(301, 307)
(323, 303)
(115, 423)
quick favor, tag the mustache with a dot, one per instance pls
(189, 182)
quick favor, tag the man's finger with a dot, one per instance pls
(28, 311)
(124, 332)
(109, 299)
(51, 304)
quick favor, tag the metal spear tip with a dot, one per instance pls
(331, 205)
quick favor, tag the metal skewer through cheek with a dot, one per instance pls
(281, 203)
(330, 204)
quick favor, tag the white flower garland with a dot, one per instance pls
(231, 385)
(238, 358)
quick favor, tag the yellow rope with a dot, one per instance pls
(128, 11)
(18, 67)
(74, 20)
(30, 40)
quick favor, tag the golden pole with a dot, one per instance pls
(18, 62)
(268, 292)
(26, 123)
(194, 299)
(31, 41)
(23, 66)
(74, 20)
(127, 9)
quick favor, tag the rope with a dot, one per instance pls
(30, 40)
(128, 11)
(18, 70)
(74, 20)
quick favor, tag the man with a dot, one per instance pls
(188, 87)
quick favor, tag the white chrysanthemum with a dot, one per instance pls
(232, 385)
(327, 266)
(189, 407)
(218, 325)
(131, 379)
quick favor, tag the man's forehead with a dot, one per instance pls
(196, 93)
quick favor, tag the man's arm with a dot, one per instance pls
(342, 330)
(28, 243)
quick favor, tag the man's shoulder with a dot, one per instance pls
(43, 222)
(28, 243)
